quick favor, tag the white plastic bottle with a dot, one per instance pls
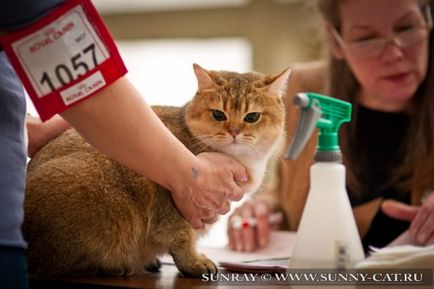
(327, 237)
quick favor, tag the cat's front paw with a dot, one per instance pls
(197, 266)
(153, 266)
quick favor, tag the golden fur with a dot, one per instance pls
(87, 213)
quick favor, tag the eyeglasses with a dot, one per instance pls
(404, 38)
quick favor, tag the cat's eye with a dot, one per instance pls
(252, 117)
(218, 115)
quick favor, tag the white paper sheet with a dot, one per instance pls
(279, 249)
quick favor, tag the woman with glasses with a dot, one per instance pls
(382, 61)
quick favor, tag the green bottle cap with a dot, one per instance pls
(334, 113)
(324, 112)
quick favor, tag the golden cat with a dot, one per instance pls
(86, 213)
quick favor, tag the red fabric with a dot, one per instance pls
(111, 69)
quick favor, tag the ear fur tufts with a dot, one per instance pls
(279, 85)
(204, 80)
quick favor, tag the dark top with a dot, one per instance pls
(12, 155)
(19, 13)
(379, 149)
(12, 111)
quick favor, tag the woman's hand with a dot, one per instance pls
(421, 218)
(249, 226)
(213, 186)
(39, 133)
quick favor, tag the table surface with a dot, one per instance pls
(167, 278)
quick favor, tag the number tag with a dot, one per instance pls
(65, 57)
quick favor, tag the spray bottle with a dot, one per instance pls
(327, 236)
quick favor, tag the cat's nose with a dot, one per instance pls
(234, 133)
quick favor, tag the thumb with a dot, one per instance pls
(239, 172)
(398, 210)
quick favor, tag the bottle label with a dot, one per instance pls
(341, 255)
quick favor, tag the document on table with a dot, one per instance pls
(404, 239)
(274, 257)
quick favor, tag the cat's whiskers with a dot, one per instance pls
(200, 137)
(261, 144)
(200, 142)
(204, 138)
(202, 146)
(255, 149)
(210, 140)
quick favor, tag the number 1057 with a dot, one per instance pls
(64, 73)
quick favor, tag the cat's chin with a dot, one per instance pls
(238, 150)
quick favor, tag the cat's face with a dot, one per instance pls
(238, 114)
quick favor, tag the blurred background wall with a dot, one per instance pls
(280, 32)
(159, 40)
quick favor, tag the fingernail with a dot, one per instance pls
(262, 242)
(239, 247)
(244, 179)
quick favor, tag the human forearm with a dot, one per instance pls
(130, 133)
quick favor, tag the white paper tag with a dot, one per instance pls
(83, 88)
(60, 52)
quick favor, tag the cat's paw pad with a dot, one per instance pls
(153, 266)
(200, 265)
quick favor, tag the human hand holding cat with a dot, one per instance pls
(39, 133)
(210, 189)
(421, 218)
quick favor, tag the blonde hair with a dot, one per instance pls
(416, 173)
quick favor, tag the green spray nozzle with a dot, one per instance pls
(324, 112)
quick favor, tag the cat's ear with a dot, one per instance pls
(279, 84)
(204, 80)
